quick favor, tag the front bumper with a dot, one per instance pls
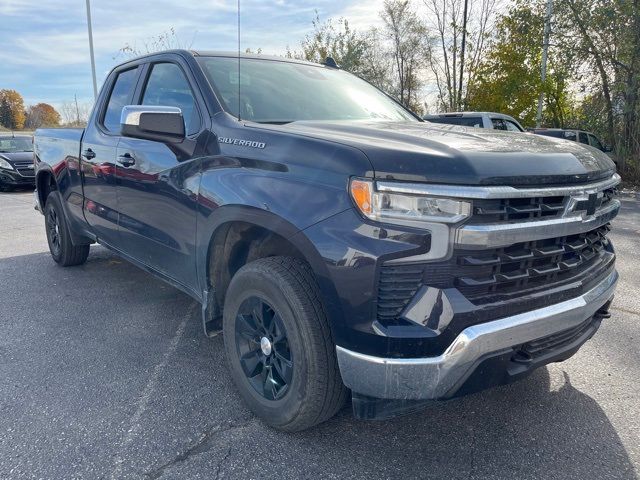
(16, 179)
(441, 376)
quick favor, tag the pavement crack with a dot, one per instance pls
(202, 445)
(625, 310)
(219, 466)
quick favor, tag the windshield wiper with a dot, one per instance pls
(274, 122)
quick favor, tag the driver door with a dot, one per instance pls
(157, 184)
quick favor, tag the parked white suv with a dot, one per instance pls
(496, 121)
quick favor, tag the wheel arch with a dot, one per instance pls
(241, 234)
(45, 184)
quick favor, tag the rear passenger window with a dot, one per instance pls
(167, 86)
(120, 96)
(499, 124)
(582, 137)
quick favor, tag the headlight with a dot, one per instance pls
(5, 164)
(401, 208)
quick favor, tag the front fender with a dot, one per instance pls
(209, 224)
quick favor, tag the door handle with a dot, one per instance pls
(126, 160)
(89, 154)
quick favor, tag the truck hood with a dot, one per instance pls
(424, 152)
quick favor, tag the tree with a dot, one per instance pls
(463, 27)
(508, 78)
(167, 40)
(605, 35)
(42, 115)
(409, 50)
(11, 109)
(355, 52)
(75, 114)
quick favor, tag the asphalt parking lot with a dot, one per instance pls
(105, 373)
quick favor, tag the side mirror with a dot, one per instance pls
(608, 149)
(151, 122)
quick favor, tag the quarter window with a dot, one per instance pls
(167, 86)
(594, 142)
(120, 96)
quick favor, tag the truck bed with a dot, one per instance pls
(56, 145)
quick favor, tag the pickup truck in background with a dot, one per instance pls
(341, 244)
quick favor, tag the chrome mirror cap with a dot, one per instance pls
(131, 113)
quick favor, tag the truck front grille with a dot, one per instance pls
(533, 208)
(486, 276)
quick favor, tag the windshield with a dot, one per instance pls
(15, 144)
(281, 92)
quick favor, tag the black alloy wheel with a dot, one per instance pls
(53, 231)
(263, 348)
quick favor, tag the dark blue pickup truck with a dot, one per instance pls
(340, 243)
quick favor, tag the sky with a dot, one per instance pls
(44, 50)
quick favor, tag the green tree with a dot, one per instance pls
(11, 109)
(508, 79)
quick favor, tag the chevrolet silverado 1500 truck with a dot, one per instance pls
(340, 243)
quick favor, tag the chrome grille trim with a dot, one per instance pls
(505, 234)
(495, 192)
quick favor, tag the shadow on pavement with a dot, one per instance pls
(524, 430)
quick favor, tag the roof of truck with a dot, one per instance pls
(467, 114)
(222, 53)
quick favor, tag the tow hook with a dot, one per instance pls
(604, 311)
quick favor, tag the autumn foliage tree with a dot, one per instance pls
(42, 115)
(508, 78)
(11, 109)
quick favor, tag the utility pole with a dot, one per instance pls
(93, 61)
(462, 51)
(545, 52)
(75, 98)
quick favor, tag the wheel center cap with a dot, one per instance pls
(265, 346)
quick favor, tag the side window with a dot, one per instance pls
(594, 142)
(499, 124)
(512, 127)
(582, 138)
(120, 96)
(167, 86)
(570, 135)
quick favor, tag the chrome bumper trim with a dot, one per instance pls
(504, 234)
(440, 377)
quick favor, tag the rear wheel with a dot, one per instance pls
(279, 346)
(62, 249)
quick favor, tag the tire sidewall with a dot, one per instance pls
(53, 203)
(268, 286)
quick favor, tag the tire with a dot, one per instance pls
(62, 249)
(305, 387)
(5, 188)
